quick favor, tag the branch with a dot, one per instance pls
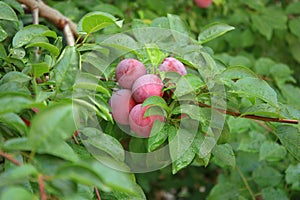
(97, 193)
(42, 188)
(50, 14)
(256, 117)
(10, 158)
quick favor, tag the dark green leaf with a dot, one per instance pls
(158, 137)
(238, 72)
(15, 76)
(292, 176)
(225, 191)
(12, 120)
(262, 110)
(14, 102)
(39, 69)
(271, 151)
(183, 161)
(7, 13)
(266, 176)
(251, 142)
(3, 34)
(188, 84)
(289, 136)
(213, 31)
(26, 34)
(66, 68)
(16, 193)
(50, 47)
(224, 155)
(95, 21)
(274, 194)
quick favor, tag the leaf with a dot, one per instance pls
(91, 86)
(157, 138)
(155, 55)
(294, 25)
(224, 155)
(274, 194)
(7, 13)
(39, 69)
(18, 174)
(271, 151)
(183, 161)
(213, 31)
(251, 142)
(12, 120)
(289, 136)
(237, 72)
(95, 21)
(248, 87)
(50, 127)
(193, 111)
(156, 101)
(3, 34)
(26, 34)
(51, 48)
(102, 143)
(262, 110)
(179, 29)
(15, 76)
(14, 102)
(16, 193)
(266, 176)
(66, 68)
(188, 84)
(292, 176)
(226, 191)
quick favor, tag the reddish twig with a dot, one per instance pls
(10, 158)
(42, 188)
(256, 117)
(97, 193)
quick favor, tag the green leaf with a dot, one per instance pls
(237, 72)
(293, 8)
(26, 34)
(213, 31)
(155, 55)
(262, 110)
(289, 136)
(224, 155)
(96, 21)
(14, 102)
(274, 194)
(7, 13)
(18, 174)
(103, 143)
(157, 138)
(183, 161)
(3, 34)
(251, 142)
(91, 86)
(181, 33)
(225, 191)
(50, 127)
(193, 111)
(15, 76)
(247, 87)
(188, 84)
(16, 193)
(156, 101)
(271, 151)
(51, 48)
(12, 120)
(66, 68)
(39, 69)
(266, 176)
(292, 176)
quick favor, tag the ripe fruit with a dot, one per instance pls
(203, 3)
(121, 103)
(128, 70)
(146, 86)
(142, 125)
(174, 65)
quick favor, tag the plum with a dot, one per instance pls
(203, 3)
(121, 103)
(128, 70)
(142, 125)
(172, 65)
(146, 86)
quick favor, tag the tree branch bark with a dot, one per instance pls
(50, 14)
(256, 117)
(10, 158)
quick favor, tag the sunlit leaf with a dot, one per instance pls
(213, 31)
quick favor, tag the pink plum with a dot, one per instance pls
(128, 70)
(121, 103)
(146, 86)
(203, 3)
(142, 125)
(174, 65)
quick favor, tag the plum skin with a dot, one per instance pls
(142, 125)
(174, 65)
(146, 86)
(203, 3)
(121, 103)
(128, 70)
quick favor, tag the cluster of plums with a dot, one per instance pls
(136, 86)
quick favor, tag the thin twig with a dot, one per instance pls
(97, 193)
(42, 187)
(256, 117)
(50, 14)
(246, 183)
(10, 158)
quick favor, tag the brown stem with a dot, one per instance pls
(97, 193)
(256, 117)
(42, 188)
(50, 14)
(10, 158)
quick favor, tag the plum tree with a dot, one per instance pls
(121, 103)
(142, 125)
(174, 65)
(128, 70)
(203, 3)
(146, 86)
